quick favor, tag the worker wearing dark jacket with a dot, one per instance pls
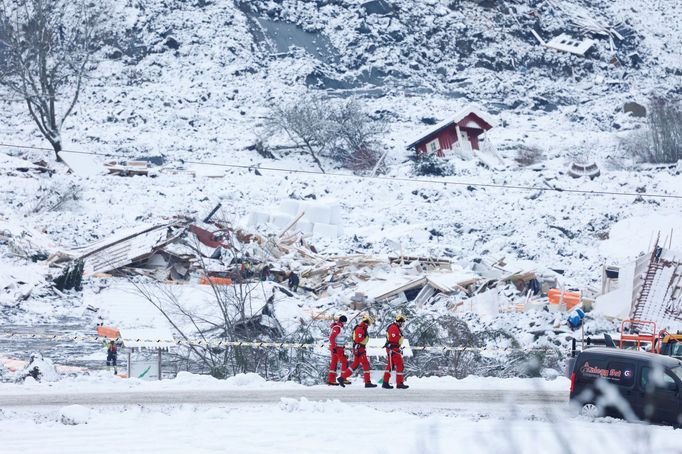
(394, 354)
(337, 346)
(360, 339)
(112, 353)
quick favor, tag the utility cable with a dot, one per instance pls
(473, 184)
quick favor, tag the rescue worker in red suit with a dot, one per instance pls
(394, 354)
(337, 346)
(360, 339)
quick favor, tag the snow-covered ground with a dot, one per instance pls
(205, 102)
(102, 382)
(312, 426)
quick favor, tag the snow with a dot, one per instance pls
(205, 102)
(8, 163)
(320, 218)
(636, 235)
(74, 415)
(618, 303)
(305, 426)
(186, 381)
(85, 165)
(473, 382)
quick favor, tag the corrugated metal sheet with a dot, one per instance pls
(657, 290)
(124, 249)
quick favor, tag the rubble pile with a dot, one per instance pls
(184, 251)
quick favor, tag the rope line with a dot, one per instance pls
(227, 343)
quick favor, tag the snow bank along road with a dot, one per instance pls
(415, 395)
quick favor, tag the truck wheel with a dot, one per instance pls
(590, 410)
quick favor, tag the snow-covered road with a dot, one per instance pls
(302, 426)
(247, 414)
(264, 396)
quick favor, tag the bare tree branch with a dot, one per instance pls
(336, 129)
(45, 49)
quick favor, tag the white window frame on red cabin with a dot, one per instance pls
(430, 148)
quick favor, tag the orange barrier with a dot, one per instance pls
(645, 333)
(571, 299)
(107, 331)
(215, 280)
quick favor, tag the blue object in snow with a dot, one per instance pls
(575, 318)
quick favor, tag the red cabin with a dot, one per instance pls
(462, 131)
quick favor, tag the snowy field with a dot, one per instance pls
(315, 427)
(205, 102)
(298, 424)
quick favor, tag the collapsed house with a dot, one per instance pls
(201, 257)
(649, 289)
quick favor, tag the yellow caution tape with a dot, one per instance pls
(228, 343)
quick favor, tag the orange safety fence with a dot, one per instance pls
(570, 298)
(108, 331)
(215, 280)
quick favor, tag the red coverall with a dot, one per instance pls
(337, 346)
(360, 339)
(394, 340)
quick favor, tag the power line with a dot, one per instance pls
(384, 178)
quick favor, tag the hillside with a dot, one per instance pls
(193, 80)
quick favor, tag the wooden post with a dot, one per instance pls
(459, 135)
(376, 167)
(159, 364)
(291, 224)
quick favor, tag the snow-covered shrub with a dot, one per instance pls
(39, 369)
(442, 331)
(339, 130)
(74, 415)
(355, 134)
(55, 196)
(528, 155)
(662, 141)
(428, 164)
(532, 363)
(635, 145)
(71, 277)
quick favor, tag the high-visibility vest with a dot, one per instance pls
(360, 334)
(337, 338)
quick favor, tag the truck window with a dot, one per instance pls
(677, 371)
(657, 378)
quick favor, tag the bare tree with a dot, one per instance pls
(45, 49)
(661, 141)
(355, 136)
(336, 129)
(305, 123)
(665, 124)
